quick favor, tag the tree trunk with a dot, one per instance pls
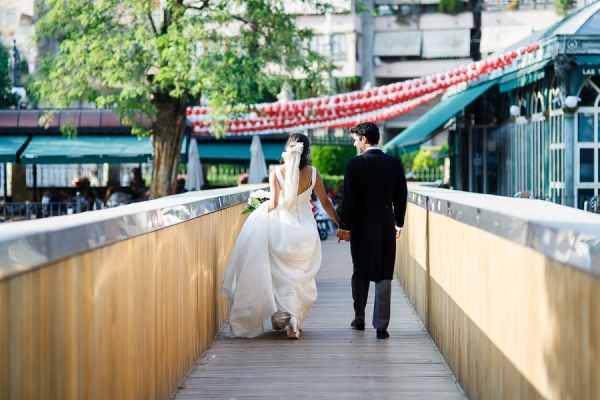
(168, 132)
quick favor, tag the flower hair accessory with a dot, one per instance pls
(293, 148)
(292, 156)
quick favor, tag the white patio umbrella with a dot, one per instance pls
(258, 166)
(194, 180)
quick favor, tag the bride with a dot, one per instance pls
(270, 277)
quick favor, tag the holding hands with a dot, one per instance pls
(342, 235)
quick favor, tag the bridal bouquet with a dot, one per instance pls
(256, 199)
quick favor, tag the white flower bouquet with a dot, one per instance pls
(256, 199)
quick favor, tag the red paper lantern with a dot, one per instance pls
(423, 80)
(383, 90)
(416, 83)
(188, 111)
(529, 49)
(536, 46)
(522, 50)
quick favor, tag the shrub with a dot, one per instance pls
(451, 7)
(331, 160)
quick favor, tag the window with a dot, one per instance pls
(587, 145)
(585, 125)
(319, 45)
(586, 165)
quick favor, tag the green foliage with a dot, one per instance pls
(122, 53)
(408, 158)
(563, 6)
(331, 160)
(7, 99)
(444, 152)
(424, 160)
(336, 182)
(451, 7)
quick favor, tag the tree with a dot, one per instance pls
(331, 160)
(7, 98)
(142, 56)
(563, 7)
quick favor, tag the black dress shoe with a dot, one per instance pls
(382, 334)
(358, 324)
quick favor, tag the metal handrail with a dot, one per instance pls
(22, 211)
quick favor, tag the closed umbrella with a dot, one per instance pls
(194, 180)
(258, 166)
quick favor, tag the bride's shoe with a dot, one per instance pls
(293, 331)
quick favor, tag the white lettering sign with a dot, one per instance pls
(589, 71)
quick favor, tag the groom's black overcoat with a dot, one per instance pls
(374, 201)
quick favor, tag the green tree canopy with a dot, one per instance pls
(7, 98)
(143, 56)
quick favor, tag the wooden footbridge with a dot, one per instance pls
(495, 298)
(330, 360)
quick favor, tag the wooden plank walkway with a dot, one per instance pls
(330, 360)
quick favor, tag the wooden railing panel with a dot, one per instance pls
(511, 322)
(4, 334)
(411, 259)
(127, 320)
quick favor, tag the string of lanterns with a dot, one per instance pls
(347, 109)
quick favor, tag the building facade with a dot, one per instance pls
(531, 129)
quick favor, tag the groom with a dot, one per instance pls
(373, 211)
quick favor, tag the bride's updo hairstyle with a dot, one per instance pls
(300, 137)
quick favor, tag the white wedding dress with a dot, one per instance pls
(271, 272)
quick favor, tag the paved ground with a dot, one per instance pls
(330, 360)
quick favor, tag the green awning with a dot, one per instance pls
(88, 150)
(435, 118)
(9, 146)
(224, 151)
(523, 76)
(589, 60)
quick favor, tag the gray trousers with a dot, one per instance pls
(383, 296)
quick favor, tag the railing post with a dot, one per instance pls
(78, 208)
